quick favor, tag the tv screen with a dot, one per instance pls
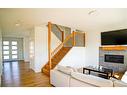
(117, 37)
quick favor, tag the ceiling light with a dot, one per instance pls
(17, 24)
(91, 12)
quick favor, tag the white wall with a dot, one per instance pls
(38, 48)
(54, 41)
(84, 56)
(92, 48)
(32, 49)
(26, 48)
(0, 55)
(75, 58)
(41, 47)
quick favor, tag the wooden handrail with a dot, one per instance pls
(49, 44)
(74, 42)
(58, 28)
(68, 37)
(60, 46)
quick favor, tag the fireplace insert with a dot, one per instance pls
(114, 58)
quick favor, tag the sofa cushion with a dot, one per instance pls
(76, 83)
(119, 83)
(64, 69)
(94, 80)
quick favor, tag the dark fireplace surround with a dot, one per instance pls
(118, 59)
(112, 59)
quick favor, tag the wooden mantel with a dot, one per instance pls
(110, 48)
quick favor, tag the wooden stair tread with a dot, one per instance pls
(46, 71)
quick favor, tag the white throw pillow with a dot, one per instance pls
(64, 69)
(124, 78)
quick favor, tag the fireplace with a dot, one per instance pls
(114, 58)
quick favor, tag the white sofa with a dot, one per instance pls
(68, 77)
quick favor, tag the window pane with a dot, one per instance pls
(14, 52)
(6, 57)
(6, 52)
(5, 47)
(14, 47)
(5, 42)
(14, 42)
(14, 56)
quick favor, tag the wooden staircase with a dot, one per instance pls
(55, 56)
(55, 59)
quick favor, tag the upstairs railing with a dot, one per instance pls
(59, 30)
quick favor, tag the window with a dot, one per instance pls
(5, 42)
(14, 56)
(14, 43)
(14, 47)
(5, 52)
(5, 47)
(6, 57)
(14, 52)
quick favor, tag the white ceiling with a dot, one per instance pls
(100, 20)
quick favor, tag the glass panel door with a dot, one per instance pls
(6, 51)
(10, 50)
(14, 50)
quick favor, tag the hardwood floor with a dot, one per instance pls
(18, 74)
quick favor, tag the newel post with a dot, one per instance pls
(74, 38)
(49, 44)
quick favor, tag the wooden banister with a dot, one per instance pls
(68, 37)
(61, 45)
(74, 39)
(58, 28)
(49, 44)
(62, 36)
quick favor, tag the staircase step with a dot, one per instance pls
(53, 65)
(55, 60)
(47, 66)
(46, 72)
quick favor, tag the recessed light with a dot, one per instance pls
(17, 24)
(91, 12)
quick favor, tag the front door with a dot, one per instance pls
(11, 50)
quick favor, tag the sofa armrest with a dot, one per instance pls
(119, 83)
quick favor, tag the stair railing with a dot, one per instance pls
(62, 32)
(62, 44)
(52, 53)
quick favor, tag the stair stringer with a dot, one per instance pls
(55, 59)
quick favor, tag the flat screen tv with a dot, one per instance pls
(117, 37)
